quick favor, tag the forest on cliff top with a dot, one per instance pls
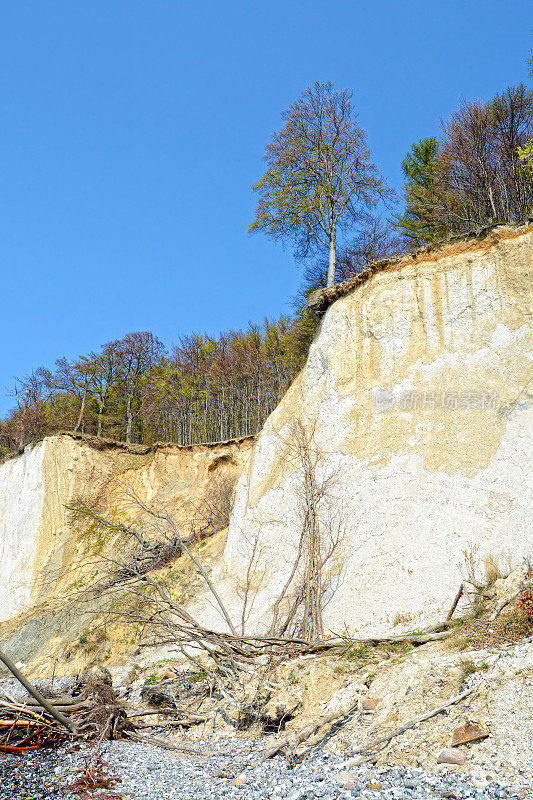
(205, 389)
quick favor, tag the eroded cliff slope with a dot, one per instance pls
(415, 404)
(43, 546)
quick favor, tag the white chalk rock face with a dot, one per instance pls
(35, 489)
(416, 400)
(42, 548)
(21, 502)
(36, 541)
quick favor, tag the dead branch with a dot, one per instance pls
(168, 519)
(455, 602)
(82, 509)
(403, 728)
(42, 701)
(59, 702)
(20, 723)
(292, 742)
(163, 522)
(408, 638)
(155, 742)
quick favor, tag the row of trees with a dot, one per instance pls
(477, 173)
(320, 181)
(134, 390)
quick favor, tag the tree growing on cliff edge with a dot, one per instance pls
(320, 176)
(420, 221)
(475, 174)
(137, 353)
(375, 240)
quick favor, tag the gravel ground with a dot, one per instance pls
(156, 774)
(30, 777)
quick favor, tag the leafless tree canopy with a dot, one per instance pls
(473, 176)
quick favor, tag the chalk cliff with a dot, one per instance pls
(416, 403)
(416, 406)
(41, 545)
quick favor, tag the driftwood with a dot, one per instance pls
(21, 723)
(20, 708)
(42, 701)
(155, 742)
(185, 717)
(58, 701)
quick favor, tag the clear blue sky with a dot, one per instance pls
(131, 132)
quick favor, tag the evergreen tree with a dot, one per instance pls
(420, 219)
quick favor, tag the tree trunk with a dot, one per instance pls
(82, 411)
(332, 257)
(129, 420)
(46, 704)
(491, 198)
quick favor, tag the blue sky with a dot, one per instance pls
(131, 133)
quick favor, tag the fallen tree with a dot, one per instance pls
(239, 667)
(94, 714)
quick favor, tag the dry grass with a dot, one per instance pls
(496, 567)
(480, 632)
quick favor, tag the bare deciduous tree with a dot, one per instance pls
(213, 513)
(320, 175)
(136, 354)
(316, 557)
(473, 176)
